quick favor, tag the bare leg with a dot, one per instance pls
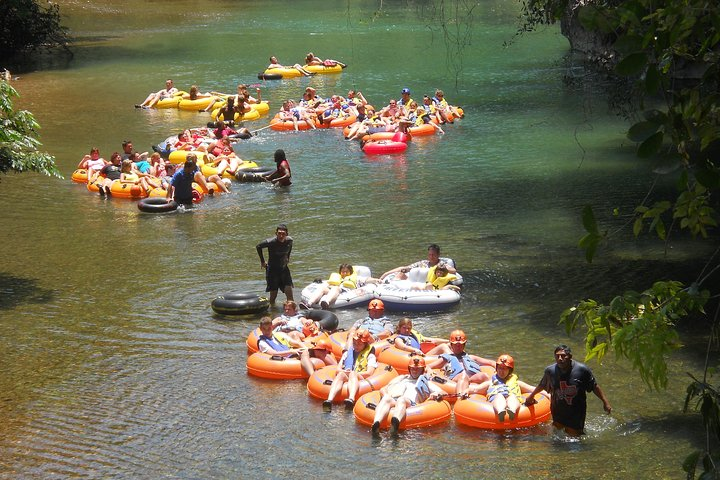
(400, 410)
(353, 385)
(332, 295)
(306, 363)
(337, 385)
(383, 408)
(288, 293)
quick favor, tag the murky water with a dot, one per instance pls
(113, 364)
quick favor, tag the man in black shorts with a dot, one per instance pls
(567, 381)
(277, 273)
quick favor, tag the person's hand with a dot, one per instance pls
(529, 401)
(263, 265)
(607, 407)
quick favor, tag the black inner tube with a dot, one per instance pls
(269, 76)
(239, 304)
(327, 320)
(157, 205)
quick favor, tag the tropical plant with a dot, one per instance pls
(18, 138)
(671, 50)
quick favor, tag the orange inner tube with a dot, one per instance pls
(430, 412)
(319, 384)
(278, 368)
(478, 412)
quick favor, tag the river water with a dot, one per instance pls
(113, 364)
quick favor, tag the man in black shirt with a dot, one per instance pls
(277, 273)
(567, 381)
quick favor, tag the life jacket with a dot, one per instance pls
(275, 343)
(429, 109)
(506, 387)
(413, 339)
(406, 104)
(131, 177)
(359, 362)
(439, 282)
(455, 365)
(440, 103)
(422, 386)
(349, 281)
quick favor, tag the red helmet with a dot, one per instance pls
(376, 304)
(416, 362)
(506, 360)
(458, 336)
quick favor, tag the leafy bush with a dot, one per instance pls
(26, 26)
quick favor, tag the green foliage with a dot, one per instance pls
(662, 44)
(671, 50)
(639, 327)
(18, 139)
(592, 239)
(707, 400)
(26, 26)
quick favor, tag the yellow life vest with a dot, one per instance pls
(361, 362)
(508, 387)
(420, 338)
(282, 339)
(349, 281)
(440, 282)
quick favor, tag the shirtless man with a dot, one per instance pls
(155, 97)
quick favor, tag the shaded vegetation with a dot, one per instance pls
(668, 51)
(26, 26)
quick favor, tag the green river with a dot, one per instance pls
(113, 364)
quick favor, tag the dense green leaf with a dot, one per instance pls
(652, 80)
(651, 146)
(641, 131)
(709, 178)
(637, 226)
(627, 44)
(633, 64)
(588, 219)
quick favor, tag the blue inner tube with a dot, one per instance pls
(239, 304)
(327, 320)
(156, 205)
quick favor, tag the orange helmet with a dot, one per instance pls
(416, 362)
(376, 304)
(506, 360)
(364, 335)
(323, 344)
(458, 336)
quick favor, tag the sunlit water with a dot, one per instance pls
(113, 364)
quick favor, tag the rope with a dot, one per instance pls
(259, 129)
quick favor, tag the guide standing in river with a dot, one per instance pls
(567, 381)
(277, 272)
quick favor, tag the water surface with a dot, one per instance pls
(113, 363)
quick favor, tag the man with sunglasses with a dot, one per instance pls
(568, 381)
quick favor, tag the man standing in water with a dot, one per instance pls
(567, 381)
(277, 272)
